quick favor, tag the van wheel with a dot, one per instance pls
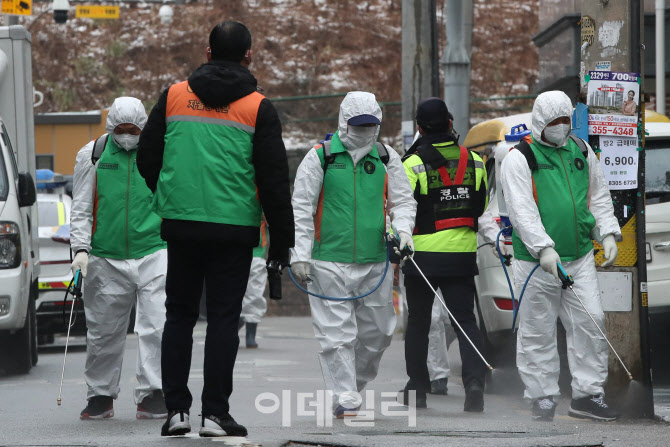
(18, 355)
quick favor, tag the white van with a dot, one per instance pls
(19, 250)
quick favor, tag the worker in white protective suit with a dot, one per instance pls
(254, 305)
(343, 190)
(116, 240)
(558, 200)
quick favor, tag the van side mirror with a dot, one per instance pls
(27, 192)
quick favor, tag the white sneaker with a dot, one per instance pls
(225, 426)
(177, 423)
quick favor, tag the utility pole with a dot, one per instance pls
(420, 76)
(456, 63)
(612, 48)
(660, 56)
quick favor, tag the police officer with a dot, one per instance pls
(449, 184)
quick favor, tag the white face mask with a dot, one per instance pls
(126, 141)
(359, 137)
(557, 134)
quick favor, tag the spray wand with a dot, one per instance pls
(567, 281)
(73, 288)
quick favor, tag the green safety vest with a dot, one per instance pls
(350, 220)
(208, 173)
(124, 227)
(560, 187)
(456, 233)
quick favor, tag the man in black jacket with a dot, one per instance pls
(213, 155)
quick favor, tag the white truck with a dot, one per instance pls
(19, 251)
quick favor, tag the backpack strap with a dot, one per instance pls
(99, 148)
(582, 145)
(527, 152)
(328, 157)
(383, 152)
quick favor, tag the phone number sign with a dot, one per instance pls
(613, 101)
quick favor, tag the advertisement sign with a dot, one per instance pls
(619, 161)
(613, 101)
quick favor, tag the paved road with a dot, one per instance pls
(284, 365)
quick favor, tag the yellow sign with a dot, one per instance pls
(17, 7)
(97, 12)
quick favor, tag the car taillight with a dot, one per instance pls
(504, 303)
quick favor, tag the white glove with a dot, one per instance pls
(610, 250)
(549, 260)
(503, 250)
(405, 241)
(80, 263)
(301, 270)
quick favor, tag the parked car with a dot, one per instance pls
(54, 232)
(494, 301)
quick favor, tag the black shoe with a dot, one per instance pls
(439, 386)
(420, 402)
(99, 407)
(592, 407)
(177, 423)
(225, 426)
(251, 335)
(152, 406)
(544, 409)
(474, 398)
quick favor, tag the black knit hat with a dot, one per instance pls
(432, 115)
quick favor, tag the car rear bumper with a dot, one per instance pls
(53, 313)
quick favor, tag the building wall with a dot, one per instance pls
(62, 135)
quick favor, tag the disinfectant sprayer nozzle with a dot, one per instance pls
(630, 376)
(59, 401)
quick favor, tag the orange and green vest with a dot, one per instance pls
(124, 227)
(350, 218)
(207, 173)
(560, 189)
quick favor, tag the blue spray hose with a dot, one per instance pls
(330, 298)
(515, 306)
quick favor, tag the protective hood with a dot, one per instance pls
(548, 106)
(126, 110)
(356, 104)
(218, 83)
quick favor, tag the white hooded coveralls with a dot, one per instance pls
(113, 286)
(254, 305)
(544, 299)
(353, 334)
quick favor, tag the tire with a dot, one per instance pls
(33, 326)
(19, 353)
